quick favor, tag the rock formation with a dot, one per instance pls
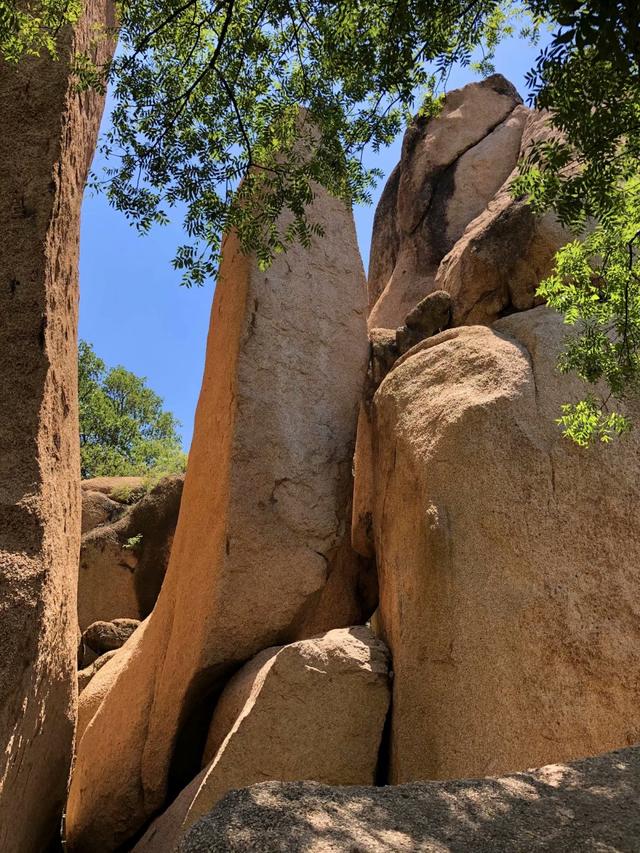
(451, 167)
(589, 805)
(122, 564)
(504, 253)
(48, 138)
(511, 614)
(98, 509)
(447, 219)
(261, 554)
(311, 710)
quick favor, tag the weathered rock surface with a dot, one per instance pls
(48, 138)
(503, 255)
(97, 509)
(590, 806)
(311, 710)
(264, 523)
(121, 489)
(512, 616)
(107, 636)
(102, 680)
(122, 565)
(451, 167)
(85, 675)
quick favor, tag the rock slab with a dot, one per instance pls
(312, 710)
(261, 554)
(49, 132)
(590, 806)
(508, 559)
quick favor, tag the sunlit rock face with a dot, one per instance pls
(48, 139)
(261, 553)
(447, 219)
(508, 558)
(314, 709)
(586, 805)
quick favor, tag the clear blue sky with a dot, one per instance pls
(132, 307)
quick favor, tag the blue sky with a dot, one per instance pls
(132, 307)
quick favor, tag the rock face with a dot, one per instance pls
(97, 509)
(47, 143)
(85, 675)
(512, 616)
(451, 167)
(589, 805)
(107, 636)
(262, 539)
(504, 253)
(311, 710)
(122, 565)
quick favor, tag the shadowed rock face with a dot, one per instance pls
(261, 554)
(508, 603)
(588, 806)
(122, 564)
(47, 142)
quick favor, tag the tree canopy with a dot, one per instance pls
(207, 120)
(124, 429)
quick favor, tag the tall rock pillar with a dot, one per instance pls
(49, 133)
(261, 554)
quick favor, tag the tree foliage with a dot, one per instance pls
(230, 110)
(124, 429)
(589, 78)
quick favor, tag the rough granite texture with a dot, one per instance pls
(590, 806)
(261, 554)
(312, 710)
(450, 168)
(47, 142)
(510, 607)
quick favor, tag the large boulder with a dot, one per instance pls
(262, 544)
(587, 806)
(505, 252)
(508, 559)
(451, 167)
(122, 564)
(312, 710)
(48, 138)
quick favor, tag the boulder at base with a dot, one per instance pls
(261, 554)
(509, 559)
(311, 710)
(48, 139)
(588, 806)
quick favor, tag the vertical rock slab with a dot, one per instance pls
(314, 709)
(48, 139)
(264, 522)
(508, 558)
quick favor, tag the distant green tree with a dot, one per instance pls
(124, 429)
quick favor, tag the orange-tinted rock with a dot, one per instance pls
(451, 167)
(497, 264)
(264, 517)
(48, 138)
(311, 710)
(508, 559)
